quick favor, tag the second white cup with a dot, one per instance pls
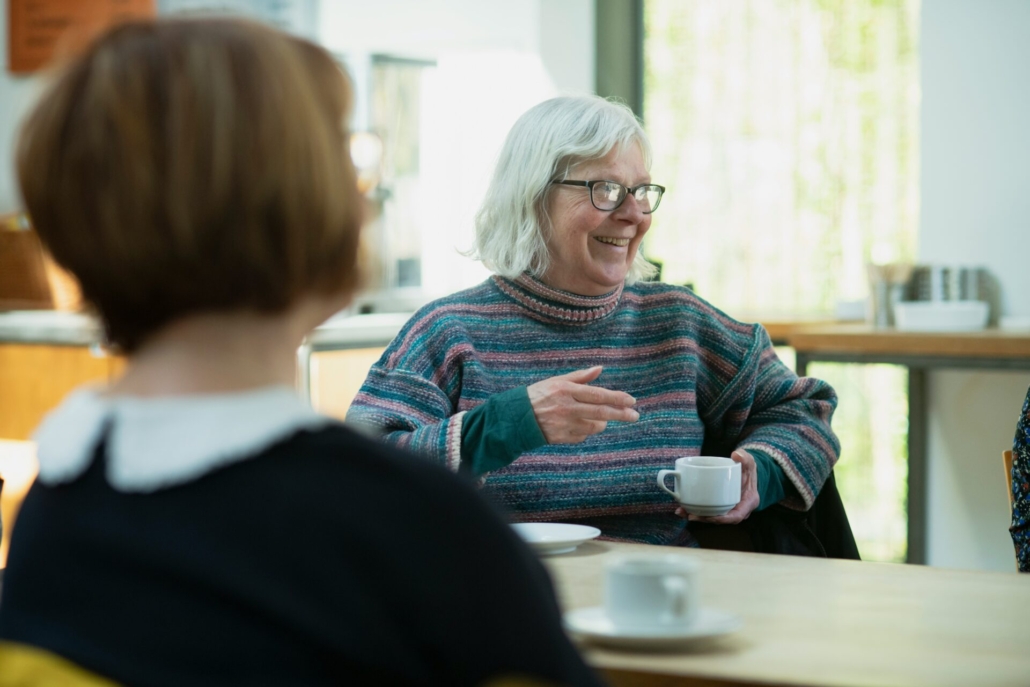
(651, 592)
(704, 485)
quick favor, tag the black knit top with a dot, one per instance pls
(323, 559)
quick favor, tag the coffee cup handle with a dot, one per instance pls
(675, 479)
(676, 588)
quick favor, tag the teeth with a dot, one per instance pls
(612, 241)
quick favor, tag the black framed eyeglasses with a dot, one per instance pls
(608, 195)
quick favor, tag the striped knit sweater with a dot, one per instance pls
(705, 384)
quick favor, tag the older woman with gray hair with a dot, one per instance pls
(566, 380)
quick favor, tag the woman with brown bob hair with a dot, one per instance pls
(195, 522)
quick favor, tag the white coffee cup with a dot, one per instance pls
(704, 485)
(651, 591)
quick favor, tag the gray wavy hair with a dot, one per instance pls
(543, 146)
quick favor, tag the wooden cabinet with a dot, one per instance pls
(34, 379)
(336, 377)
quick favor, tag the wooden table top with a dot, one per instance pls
(825, 622)
(866, 339)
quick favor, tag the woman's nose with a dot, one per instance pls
(631, 210)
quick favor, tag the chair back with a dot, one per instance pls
(29, 666)
(1006, 458)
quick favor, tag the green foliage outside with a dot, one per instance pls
(786, 132)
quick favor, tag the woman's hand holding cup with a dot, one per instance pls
(569, 410)
(748, 494)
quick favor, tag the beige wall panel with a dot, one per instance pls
(336, 377)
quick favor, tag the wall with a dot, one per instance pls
(567, 38)
(975, 211)
(494, 60)
(560, 31)
(16, 94)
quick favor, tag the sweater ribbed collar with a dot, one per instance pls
(551, 305)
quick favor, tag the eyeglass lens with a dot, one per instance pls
(609, 195)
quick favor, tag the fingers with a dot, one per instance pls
(735, 516)
(605, 413)
(598, 396)
(581, 391)
(568, 410)
(577, 431)
(584, 376)
(745, 459)
(749, 500)
(580, 379)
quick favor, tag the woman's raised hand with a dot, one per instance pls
(568, 410)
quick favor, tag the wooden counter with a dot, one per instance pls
(782, 327)
(864, 339)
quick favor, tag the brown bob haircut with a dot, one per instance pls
(192, 166)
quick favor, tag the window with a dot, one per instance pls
(787, 134)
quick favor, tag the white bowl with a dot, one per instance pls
(941, 316)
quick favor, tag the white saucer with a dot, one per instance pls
(707, 511)
(593, 624)
(555, 537)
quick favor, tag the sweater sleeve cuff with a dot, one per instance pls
(772, 481)
(497, 432)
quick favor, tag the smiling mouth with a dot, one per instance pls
(612, 241)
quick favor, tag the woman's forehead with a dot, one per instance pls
(621, 161)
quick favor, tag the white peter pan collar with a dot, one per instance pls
(154, 443)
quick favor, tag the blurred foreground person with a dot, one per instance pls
(196, 523)
(1020, 528)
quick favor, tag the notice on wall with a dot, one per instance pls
(40, 30)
